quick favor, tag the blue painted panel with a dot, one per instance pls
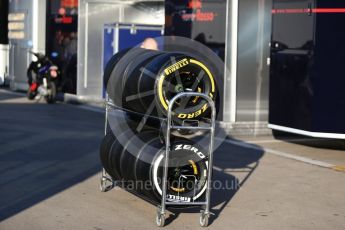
(108, 49)
(128, 40)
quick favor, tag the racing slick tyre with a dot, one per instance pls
(187, 172)
(105, 148)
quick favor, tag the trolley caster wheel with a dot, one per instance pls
(160, 220)
(203, 220)
(104, 186)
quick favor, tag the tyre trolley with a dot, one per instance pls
(205, 213)
(107, 183)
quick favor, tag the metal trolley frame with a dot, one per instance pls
(107, 183)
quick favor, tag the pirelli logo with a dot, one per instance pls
(171, 69)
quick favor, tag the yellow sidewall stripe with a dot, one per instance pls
(207, 71)
(162, 77)
(160, 92)
(195, 169)
(178, 190)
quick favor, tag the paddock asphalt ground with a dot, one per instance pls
(50, 177)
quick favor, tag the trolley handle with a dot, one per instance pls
(211, 103)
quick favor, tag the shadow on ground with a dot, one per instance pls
(6, 96)
(45, 149)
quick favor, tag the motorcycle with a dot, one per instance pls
(43, 78)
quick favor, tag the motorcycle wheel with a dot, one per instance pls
(31, 95)
(51, 97)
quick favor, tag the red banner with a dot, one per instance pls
(69, 3)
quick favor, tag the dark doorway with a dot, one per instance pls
(62, 40)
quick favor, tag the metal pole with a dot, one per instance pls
(167, 151)
(210, 161)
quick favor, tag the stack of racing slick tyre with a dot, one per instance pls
(144, 81)
(138, 164)
(141, 83)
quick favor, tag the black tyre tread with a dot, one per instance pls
(143, 167)
(115, 82)
(132, 152)
(111, 64)
(130, 81)
(116, 151)
(105, 147)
